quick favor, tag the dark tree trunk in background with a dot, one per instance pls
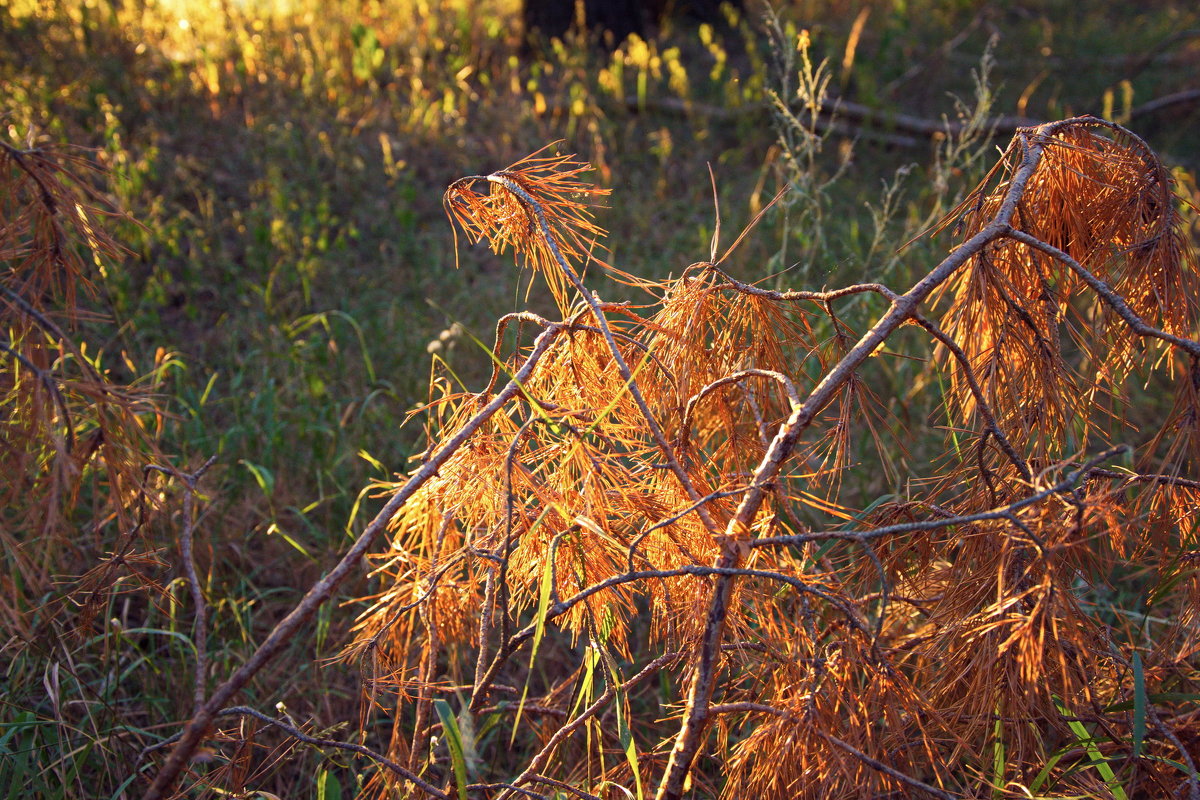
(616, 18)
(551, 18)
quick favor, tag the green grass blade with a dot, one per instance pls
(328, 787)
(454, 744)
(1088, 742)
(586, 690)
(262, 476)
(1139, 705)
(1045, 772)
(544, 586)
(539, 625)
(999, 755)
(624, 734)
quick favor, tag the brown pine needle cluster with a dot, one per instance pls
(66, 423)
(1029, 319)
(554, 198)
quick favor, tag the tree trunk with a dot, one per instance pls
(614, 20)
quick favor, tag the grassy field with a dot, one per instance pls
(288, 283)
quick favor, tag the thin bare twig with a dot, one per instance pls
(1006, 512)
(1136, 477)
(508, 787)
(736, 377)
(200, 622)
(566, 787)
(981, 404)
(637, 540)
(816, 297)
(884, 768)
(301, 736)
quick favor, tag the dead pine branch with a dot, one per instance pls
(64, 418)
(679, 407)
(649, 488)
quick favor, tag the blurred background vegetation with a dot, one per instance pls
(290, 275)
